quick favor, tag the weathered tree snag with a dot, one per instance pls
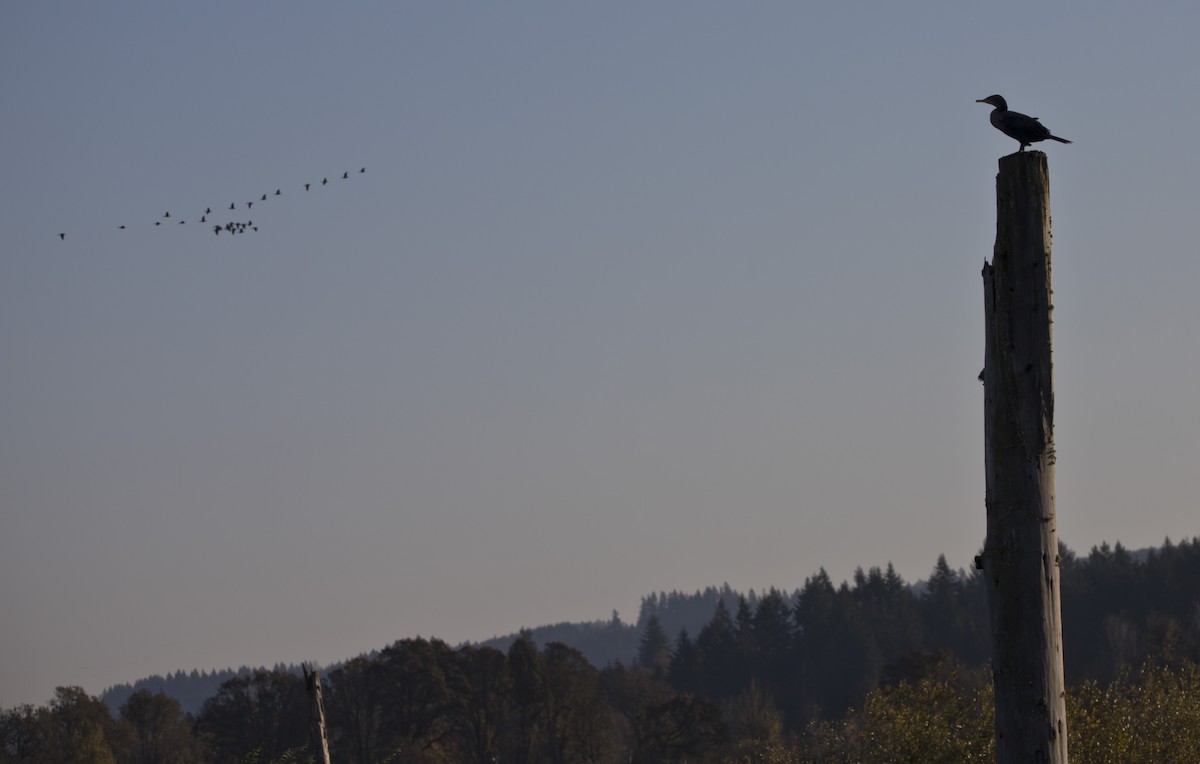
(1020, 558)
(316, 715)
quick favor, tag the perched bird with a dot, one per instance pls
(232, 206)
(1021, 128)
(346, 175)
(204, 218)
(249, 205)
(166, 214)
(306, 185)
(278, 192)
(364, 169)
(264, 198)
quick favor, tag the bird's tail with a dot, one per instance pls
(1056, 138)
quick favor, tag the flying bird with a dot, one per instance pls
(264, 198)
(1021, 128)
(364, 169)
(306, 185)
(62, 236)
(324, 181)
(346, 175)
(278, 192)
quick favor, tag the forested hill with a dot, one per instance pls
(191, 689)
(1118, 608)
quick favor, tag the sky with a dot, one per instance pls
(631, 297)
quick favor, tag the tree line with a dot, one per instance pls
(802, 677)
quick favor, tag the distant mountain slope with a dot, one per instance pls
(190, 689)
(601, 642)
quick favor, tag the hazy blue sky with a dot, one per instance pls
(632, 296)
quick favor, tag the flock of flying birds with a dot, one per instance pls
(231, 227)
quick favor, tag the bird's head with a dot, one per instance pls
(994, 100)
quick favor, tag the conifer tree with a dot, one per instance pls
(654, 650)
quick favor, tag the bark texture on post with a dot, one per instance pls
(316, 715)
(1020, 559)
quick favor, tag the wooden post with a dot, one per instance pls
(1020, 557)
(316, 714)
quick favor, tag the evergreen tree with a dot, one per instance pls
(684, 673)
(716, 645)
(654, 650)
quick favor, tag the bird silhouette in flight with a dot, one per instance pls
(1021, 128)
(233, 228)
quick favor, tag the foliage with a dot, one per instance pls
(1154, 717)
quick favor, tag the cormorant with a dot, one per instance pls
(1021, 128)
(62, 236)
(346, 175)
